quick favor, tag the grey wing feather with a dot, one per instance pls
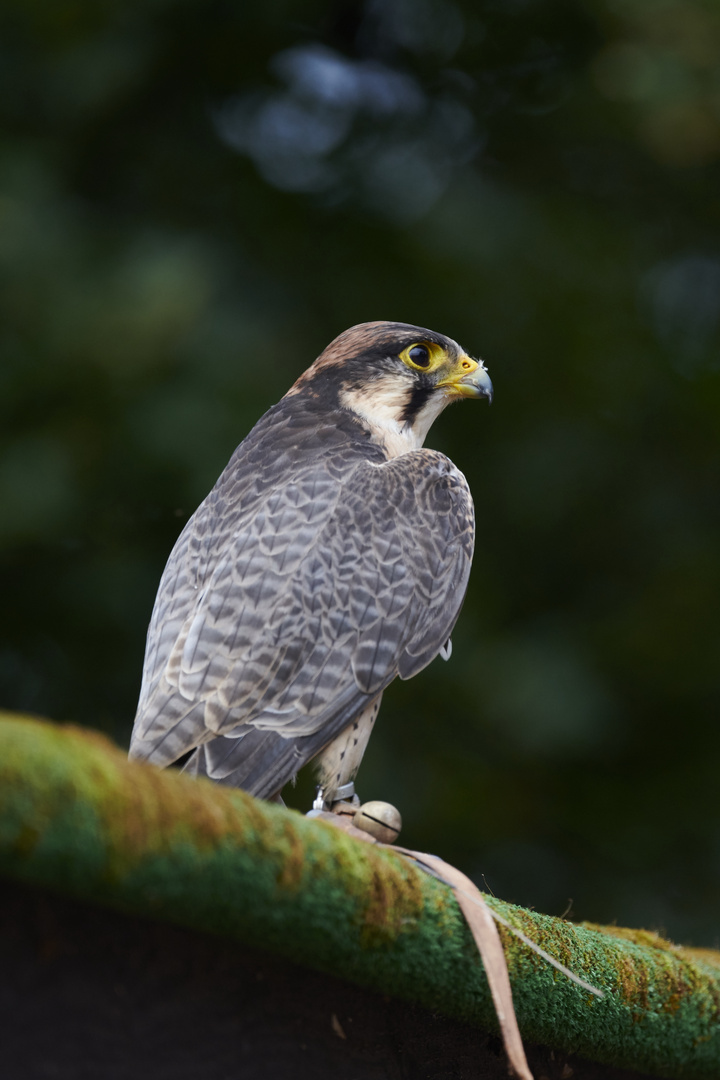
(433, 526)
(261, 762)
(275, 626)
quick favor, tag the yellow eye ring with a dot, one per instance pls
(422, 355)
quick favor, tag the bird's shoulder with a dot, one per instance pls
(425, 490)
(301, 470)
(298, 454)
(295, 437)
(423, 470)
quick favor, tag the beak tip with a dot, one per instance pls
(476, 383)
(484, 386)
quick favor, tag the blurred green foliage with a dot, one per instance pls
(196, 197)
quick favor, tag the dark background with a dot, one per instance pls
(197, 196)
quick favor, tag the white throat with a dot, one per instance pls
(381, 405)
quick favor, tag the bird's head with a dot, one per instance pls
(396, 378)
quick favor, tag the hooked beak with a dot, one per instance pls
(471, 383)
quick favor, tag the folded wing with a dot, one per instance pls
(284, 610)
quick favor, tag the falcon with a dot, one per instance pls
(331, 556)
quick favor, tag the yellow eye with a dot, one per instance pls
(422, 355)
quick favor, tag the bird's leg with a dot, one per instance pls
(339, 762)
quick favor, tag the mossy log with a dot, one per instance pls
(77, 817)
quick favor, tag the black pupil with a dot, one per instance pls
(419, 355)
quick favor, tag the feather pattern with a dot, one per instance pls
(315, 572)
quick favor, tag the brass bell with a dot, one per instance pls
(381, 819)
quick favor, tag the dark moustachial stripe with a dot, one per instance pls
(421, 393)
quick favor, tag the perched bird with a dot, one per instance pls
(331, 556)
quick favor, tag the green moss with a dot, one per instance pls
(76, 816)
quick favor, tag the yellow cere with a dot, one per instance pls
(464, 366)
